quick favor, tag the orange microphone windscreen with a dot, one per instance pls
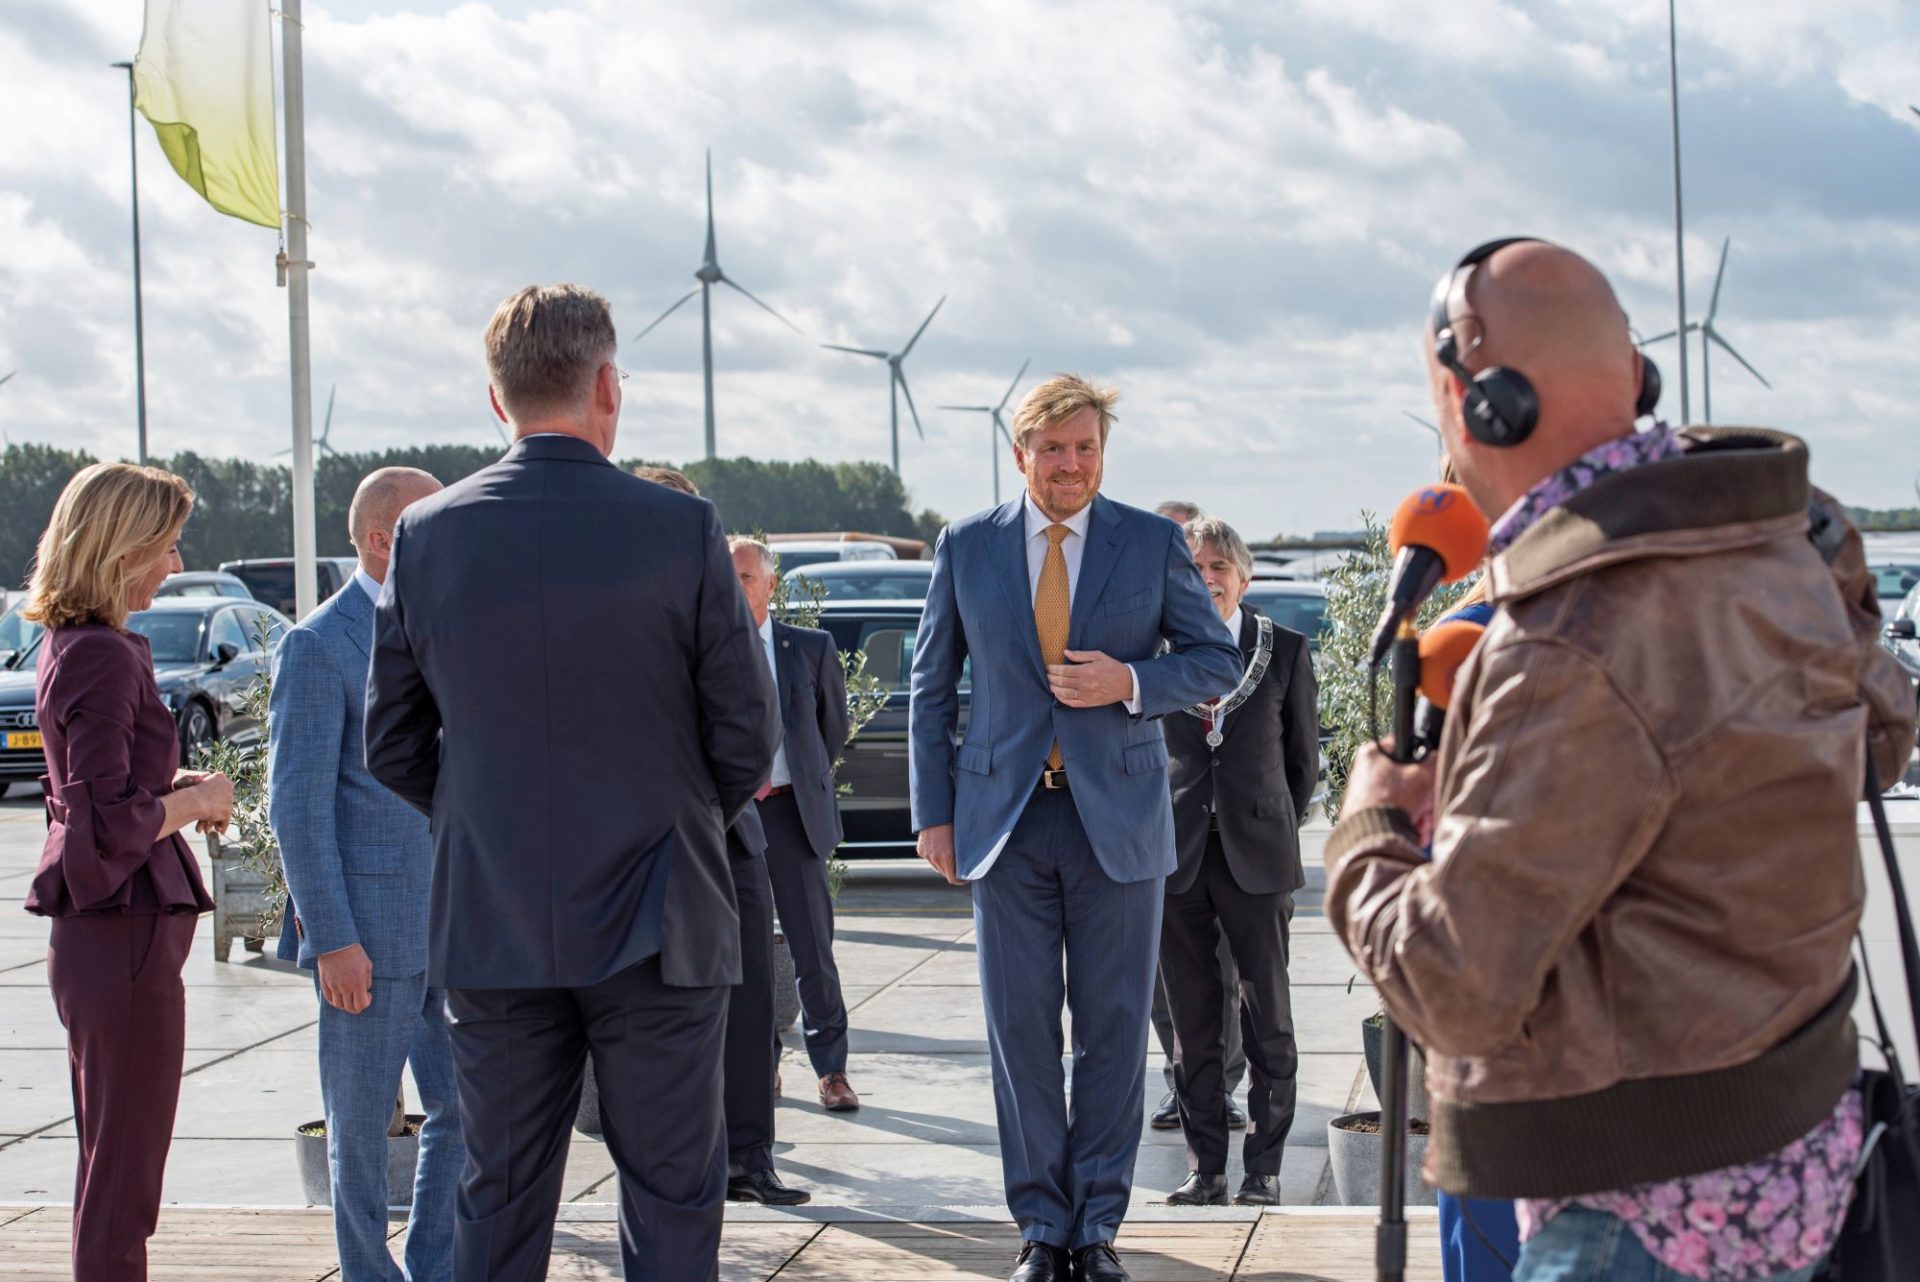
(1445, 519)
(1443, 648)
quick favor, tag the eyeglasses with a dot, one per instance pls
(622, 373)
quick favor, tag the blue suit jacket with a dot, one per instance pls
(358, 859)
(1137, 588)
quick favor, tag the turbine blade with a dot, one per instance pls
(728, 280)
(1002, 425)
(1664, 335)
(711, 256)
(1423, 422)
(1713, 302)
(326, 424)
(923, 327)
(670, 311)
(1727, 347)
(1015, 383)
(971, 409)
(901, 378)
(9, 374)
(857, 351)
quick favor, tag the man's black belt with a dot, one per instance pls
(1054, 780)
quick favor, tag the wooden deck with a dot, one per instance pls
(290, 1245)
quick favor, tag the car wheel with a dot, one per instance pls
(4, 785)
(196, 728)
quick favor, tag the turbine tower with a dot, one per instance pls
(997, 426)
(320, 445)
(897, 378)
(1709, 336)
(710, 274)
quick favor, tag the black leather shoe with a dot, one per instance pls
(1098, 1263)
(1167, 1116)
(764, 1187)
(1039, 1262)
(1236, 1119)
(1258, 1190)
(1200, 1189)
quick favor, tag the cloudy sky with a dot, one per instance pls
(1235, 212)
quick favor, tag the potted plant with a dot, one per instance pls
(250, 895)
(1356, 594)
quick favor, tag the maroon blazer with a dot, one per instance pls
(112, 752)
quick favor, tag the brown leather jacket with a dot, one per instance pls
(1646, 870)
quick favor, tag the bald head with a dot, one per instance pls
(377, 504)
(1547, 312)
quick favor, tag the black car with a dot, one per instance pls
(270, 579)
(877, 812)
(206, 652)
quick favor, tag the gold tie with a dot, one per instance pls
(1053, 612)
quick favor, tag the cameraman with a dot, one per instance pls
(1628, 959)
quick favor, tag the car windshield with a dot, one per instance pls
(16, 633)
(871, 587)
(793, 560)
(1895, 579)
(1302, 612)
(175, 634)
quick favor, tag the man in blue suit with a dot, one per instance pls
(358, 861)
(1056, 806)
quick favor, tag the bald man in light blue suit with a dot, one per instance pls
(1065, 861)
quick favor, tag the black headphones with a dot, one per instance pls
(1500, 407)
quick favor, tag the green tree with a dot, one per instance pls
(31, 478)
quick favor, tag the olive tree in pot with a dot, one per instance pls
(250, 897)
(1356, 594)
(798, 603)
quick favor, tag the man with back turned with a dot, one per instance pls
(1628, 957)
(565, 678)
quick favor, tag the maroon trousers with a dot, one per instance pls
(116, 983)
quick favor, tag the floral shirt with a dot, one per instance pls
(1741, 1223)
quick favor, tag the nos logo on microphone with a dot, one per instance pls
(1436, 499)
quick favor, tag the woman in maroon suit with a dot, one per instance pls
(117, 878)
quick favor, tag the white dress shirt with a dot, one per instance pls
(368, 584)
(1073, 547)
(781, 776)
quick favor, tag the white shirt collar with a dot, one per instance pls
(766, 629)
(368, 584)
(1038, 521)
(1233, 624)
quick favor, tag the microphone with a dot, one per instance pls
(1443, 648)
(1437, 536)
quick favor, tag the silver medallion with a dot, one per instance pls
(1215, 738)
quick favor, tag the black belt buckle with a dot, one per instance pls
(1054, 780)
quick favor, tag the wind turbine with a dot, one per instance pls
(998, 425)
(8, 375)
(710, 274)
(320, 445)
(1438, 440)
(1709, 336)
(897, 378)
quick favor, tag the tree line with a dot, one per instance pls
(245, 508)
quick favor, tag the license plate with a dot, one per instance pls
(24, 739)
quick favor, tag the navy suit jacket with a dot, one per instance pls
(567, 680)
(1137, 589)
(813, 713)
(358, 859)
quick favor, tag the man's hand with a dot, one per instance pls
(1089, 679)
(1379, 780)
(346, 979)
(936, 847)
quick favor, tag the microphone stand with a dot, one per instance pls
(1390, 1235)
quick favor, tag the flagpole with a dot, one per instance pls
(139, 323)
(293, 269)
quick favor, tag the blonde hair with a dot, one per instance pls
(108, 512)
(1059, 399)
(672, 478)
(545, 345)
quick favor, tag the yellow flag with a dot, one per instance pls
(204, 77)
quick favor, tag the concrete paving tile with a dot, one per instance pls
(256, 1095)
(955, 967)
(22, 951)
(904, 1099)
(36, 1092)
(921, 1020)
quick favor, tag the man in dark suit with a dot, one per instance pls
(1242, 770)
(802, 816)
(566, 679)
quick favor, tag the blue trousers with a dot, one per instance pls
(1068, 1168)
(1583, 1245)
(361, 1059)
(1464, 1256)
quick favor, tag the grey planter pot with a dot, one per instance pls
(403, 1156)
(786, 985)
(1356, 1156)
(1372, 1040)
(239, 903)
(586, 1118)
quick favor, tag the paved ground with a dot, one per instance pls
(925, 1137)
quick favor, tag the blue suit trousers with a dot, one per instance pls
(1068, 1167)
(361, 1059)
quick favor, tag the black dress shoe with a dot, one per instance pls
(1098, 1263)
(1200, 1189)
(1167, 1116)
(1236, 1120)
(1038, 1262)
(1258, 1190)
(764, 1187)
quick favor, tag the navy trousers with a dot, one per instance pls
(751, 1041)
(805, 903)
(1046, 901)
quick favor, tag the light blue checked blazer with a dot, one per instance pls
(359, 860)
